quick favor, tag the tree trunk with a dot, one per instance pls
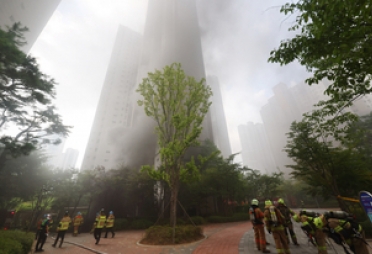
(173, 209)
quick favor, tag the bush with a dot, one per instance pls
(16, 242)
(198, 220)
(162, 235)
(141, 224)
(234, 218)
(121, 224)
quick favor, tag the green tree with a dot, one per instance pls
(328, 170)
(26, 96)
(262, 185)
(332, 47)
(178, 104)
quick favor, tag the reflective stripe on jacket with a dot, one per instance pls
(100, 222)
(110, 221)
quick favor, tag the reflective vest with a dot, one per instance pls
(63, 226)
(110, 221)
(64, 223)
(78, 220)
(100, 222)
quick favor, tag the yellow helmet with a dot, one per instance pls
(281, 201)
(268, 203)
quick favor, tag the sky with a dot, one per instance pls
(237, 37)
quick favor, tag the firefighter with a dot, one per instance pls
(257, 218)
(110, 224)
(38, 226)
(62, 228)
(343, 228)
(43, 234)
(78, 221)
(287, 213)
(98, 225)
(310, 225)
(274, 222)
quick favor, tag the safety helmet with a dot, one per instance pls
(296, 218)
(79, 213)
(281, 201)
(111, 212)
(254, 202)
(268, 203)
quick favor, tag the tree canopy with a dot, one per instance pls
(26, 99)
(333, 42)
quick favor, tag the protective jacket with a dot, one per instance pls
(110, 221)
(64, 224)
(100, 221)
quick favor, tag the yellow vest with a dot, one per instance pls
(63, 225)
(100, 222)
(78, 220)
(110, 221)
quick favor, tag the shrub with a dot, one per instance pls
(141, 224)
(162, 235)
(121, 224)
(12, 239)
(234, 218)
(198, 220)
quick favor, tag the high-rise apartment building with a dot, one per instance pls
(32, 14)
(287, 105)
(256, 151)
(122, 134)
(111, 130)
(218, 119)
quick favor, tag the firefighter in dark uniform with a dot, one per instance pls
(287, 213)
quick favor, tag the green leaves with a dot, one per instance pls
(26, 96)
(178, 104)
(333, 42)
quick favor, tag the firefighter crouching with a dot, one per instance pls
(310, 225)
(343, 228)
(274, 222)
(62, 228)
(78, 221)
(287, 213)
(257, 217)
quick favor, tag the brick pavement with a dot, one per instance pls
(221, 239)
(225, 238)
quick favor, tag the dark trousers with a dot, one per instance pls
(291, 232)
(61, 234)
(37, 234)
(111, 229)
(97, 234)
(41, 240)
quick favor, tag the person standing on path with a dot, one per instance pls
(98, 225)
(78, 221)
(62, 228)
(274, 222)
(110, 224)
(257, 217)
(43, 234)
(287, 213)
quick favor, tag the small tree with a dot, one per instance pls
(178, 104)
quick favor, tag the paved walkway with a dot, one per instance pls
(226, 238)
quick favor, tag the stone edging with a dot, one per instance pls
(167, 245)
(83, 247)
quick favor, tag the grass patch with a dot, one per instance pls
(162, 235)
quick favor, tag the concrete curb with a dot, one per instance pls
(83, 247)
(169, 245)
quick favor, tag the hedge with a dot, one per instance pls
(15, 242)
